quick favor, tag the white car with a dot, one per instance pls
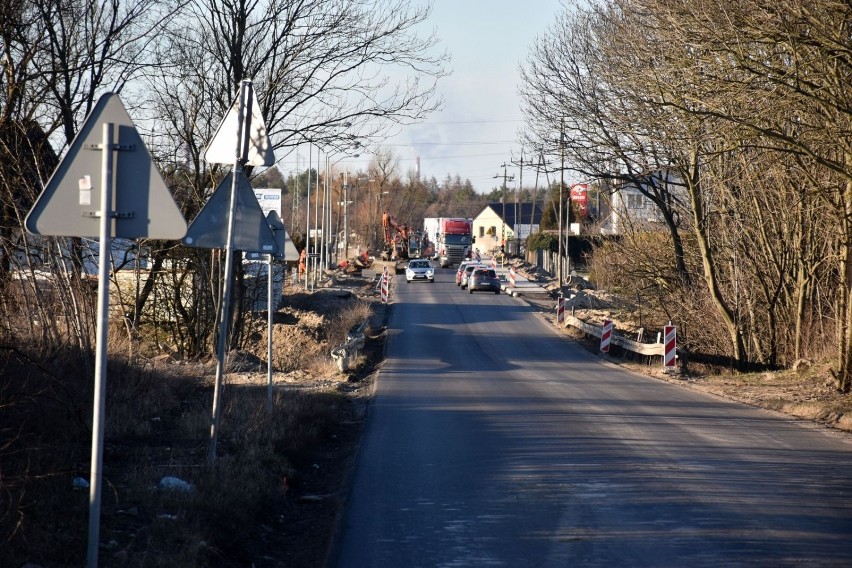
(419, 269)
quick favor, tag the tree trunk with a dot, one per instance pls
(709, 266)
(844, 310)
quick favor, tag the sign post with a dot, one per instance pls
(277, 227)
(134, 203)
(240, 139)
(99, 413)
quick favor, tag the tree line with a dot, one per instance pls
(325, 74)
(745, 107)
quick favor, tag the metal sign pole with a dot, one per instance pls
(99, 406)
(225, 312)
(269, 314)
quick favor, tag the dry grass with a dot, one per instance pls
(157, 425)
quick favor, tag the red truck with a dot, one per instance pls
(453, 239)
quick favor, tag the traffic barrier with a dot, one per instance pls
(606, 336)
(385, 278)
(494, 262)
(560, 309)
(355, 340)
(512, 276)
(670, 342)
(646, 349)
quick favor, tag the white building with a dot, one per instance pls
(507, 224)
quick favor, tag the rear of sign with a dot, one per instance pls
(143, 207)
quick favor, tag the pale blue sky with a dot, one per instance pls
(477, 129)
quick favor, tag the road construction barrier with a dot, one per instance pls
(512, 276)
(670, 342)
(560, 309)
(646, 349)
(606, 336)
(385, 278)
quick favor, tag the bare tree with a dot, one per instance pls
(323, 71)
(59, 56)
(725, 96)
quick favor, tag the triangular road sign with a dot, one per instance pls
(286, 248)
(143, 207)
(223, 147)
(251, 229)
(277, 227)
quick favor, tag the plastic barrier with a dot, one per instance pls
(560, 309)
(606, 336)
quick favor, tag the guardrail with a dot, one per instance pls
(355, 339)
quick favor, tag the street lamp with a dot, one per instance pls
(345, 202)
(503, 202)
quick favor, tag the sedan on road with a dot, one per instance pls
(464, 264)
(484, 280)
(468, 270)
(419, 269)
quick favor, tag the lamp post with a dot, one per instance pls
(345, 203)
(506, 178)
(561, 186)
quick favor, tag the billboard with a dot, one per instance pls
(580, 198)
(269, 199)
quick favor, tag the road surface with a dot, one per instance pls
(494, 441)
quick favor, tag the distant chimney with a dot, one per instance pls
(418, 168)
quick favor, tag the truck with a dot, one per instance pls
(452, 238)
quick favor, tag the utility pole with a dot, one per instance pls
(506, 178)
(517, 203)
(346, 215)
(561, 186)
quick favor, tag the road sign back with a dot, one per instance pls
(223, 147)
(143, 207)
(251, 230)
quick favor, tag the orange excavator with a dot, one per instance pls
(396, 238)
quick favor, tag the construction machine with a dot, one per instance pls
(396, 243)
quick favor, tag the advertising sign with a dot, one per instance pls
(580, 198)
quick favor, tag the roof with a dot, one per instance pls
(524, 210)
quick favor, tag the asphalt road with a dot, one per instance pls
(494, 441)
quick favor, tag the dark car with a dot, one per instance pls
(484, 280)
(464, 264)
(465, 275)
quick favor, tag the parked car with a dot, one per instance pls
(467, 271)
(484, 280)
(419, 269)
(464, 264)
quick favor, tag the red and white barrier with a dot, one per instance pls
(512, 277)
(494, 262)
(606, 336)
(670, 342)
(385, 279)
(560, 309)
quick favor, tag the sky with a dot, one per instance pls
(476, 131)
